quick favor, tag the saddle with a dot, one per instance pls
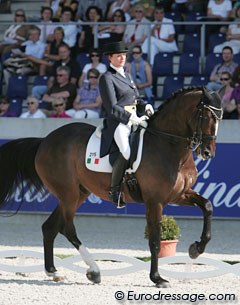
(94, 162)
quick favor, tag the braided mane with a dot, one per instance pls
(178, 92)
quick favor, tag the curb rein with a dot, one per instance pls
(197, 138)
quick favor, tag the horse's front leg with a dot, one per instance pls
(205, 205)
(154, 216)
(194, 199)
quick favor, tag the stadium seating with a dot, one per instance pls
(163, 64)
(172, 84)
(191, 17)
(191, 43)
(212, 59)
(83, 59)
(177, 17)
(199, 80)
(40, 80)
(215, 39)
(236, 58)
(188, 64)
(17, 91)
(16, 105)
(17, 87)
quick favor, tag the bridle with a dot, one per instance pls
(198, 137)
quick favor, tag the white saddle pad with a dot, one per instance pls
(95, 163)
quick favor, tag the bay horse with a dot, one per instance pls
(187, 121)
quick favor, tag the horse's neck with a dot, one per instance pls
(174, 118)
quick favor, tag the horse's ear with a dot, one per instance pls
(207, 93)
(214, 98)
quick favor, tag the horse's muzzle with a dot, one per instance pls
(207, 154)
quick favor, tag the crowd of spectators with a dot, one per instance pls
(65, 29)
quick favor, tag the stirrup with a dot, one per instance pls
(117, 198)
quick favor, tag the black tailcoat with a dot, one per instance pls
(116, 92)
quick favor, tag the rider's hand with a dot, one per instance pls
(135, 120)
(149, 110)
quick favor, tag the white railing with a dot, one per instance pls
(189, 268)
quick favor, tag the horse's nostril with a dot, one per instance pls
(207, 154)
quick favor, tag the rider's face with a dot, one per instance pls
(118, 60)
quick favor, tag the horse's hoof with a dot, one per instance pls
(94, 277)
(163, 284)
(193, 251)
(58, 278)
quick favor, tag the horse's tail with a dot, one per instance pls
(17, 168)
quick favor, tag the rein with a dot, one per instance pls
(197, 138)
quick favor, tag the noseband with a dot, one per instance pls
(198, 137)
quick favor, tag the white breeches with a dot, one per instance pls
(121, 137)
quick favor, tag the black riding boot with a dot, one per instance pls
(119, 168)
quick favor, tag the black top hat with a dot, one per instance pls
(114, 48)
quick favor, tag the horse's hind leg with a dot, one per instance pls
(194, 199)
(62, 221)
(50, 229)
(69, 231)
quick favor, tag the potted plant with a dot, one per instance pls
(170, 232)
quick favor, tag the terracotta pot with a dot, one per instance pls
(168, 248)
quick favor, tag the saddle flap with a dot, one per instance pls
(93, 161)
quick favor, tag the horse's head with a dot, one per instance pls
(208, 115)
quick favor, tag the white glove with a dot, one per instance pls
(149, 110)
(135, 120)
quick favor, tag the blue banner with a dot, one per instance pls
(218, 181)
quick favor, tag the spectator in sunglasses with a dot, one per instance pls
(59, 107)
(64, 54)
(227, 65)
(112, 32)
(5, 110)
(141, 73)
(234, 100)
(87, 104)
(33, 111)
(15, 34)
(95, 58)
(123, 5)
(226, 92)
(61, 88)
(86, 38)
(137, 29)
